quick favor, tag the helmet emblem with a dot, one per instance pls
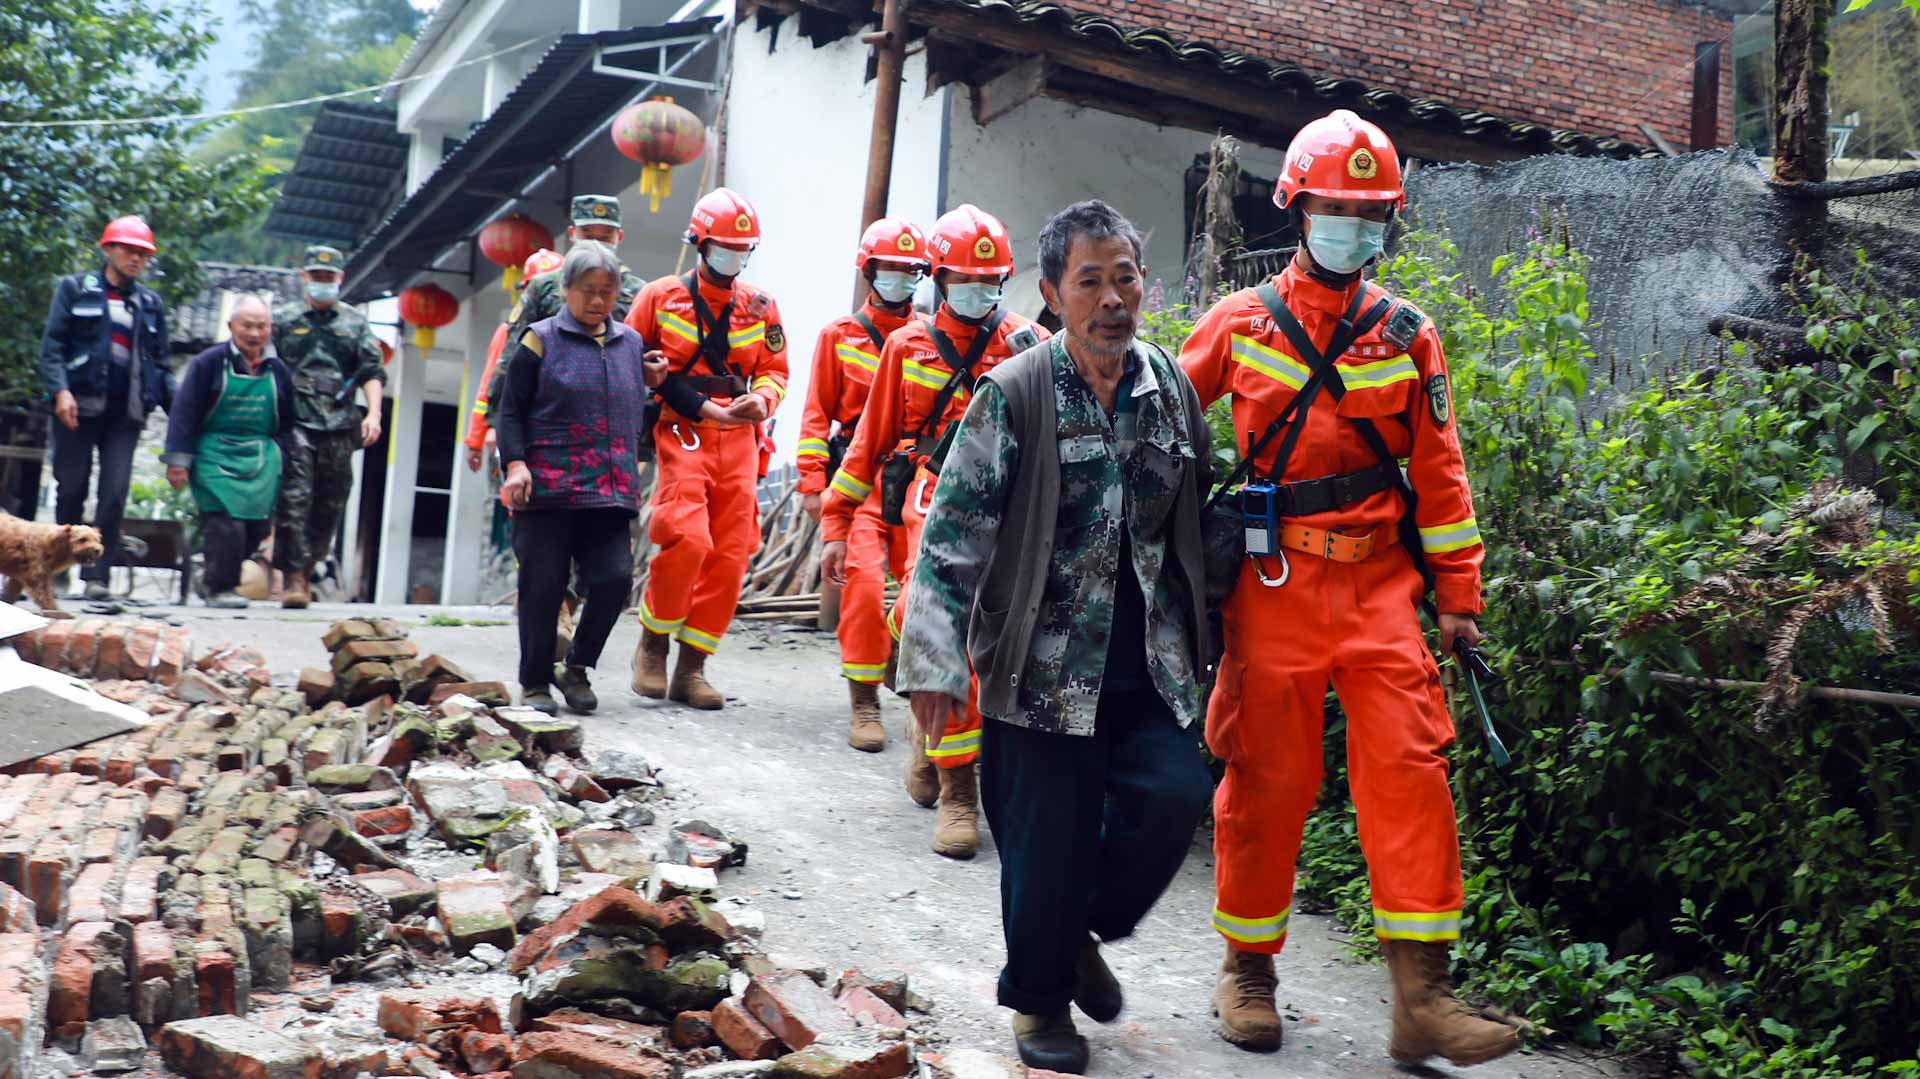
(743, 223)
(1362, 166)
(322, 256)
(599, 209)
(983, 248)
(905, 242)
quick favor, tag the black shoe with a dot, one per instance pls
(1096, 990)
(539, 700)
(574, 687)
(98, 590)
(1049, 1042)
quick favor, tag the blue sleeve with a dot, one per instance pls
(53, 342)
(188, 409)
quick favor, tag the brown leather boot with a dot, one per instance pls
(923, 776)
(650, 664)
(297, 593)
(1243, 1001)
(690, 686)
(1428, 1020)
(866, 733)
(956, 831)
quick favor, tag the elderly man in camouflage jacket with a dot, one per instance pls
(1061, 564)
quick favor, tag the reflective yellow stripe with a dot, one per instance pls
(957, 745)
(768, 382)
(743, 337)
(1274, 364)
(1251, 930)
(693, 638)
(658, 625)
(1449, 537)
(933, 378)
(1367, 376)
(674, 324)
(863, 672)
(813, 447)
(844, 483)
(1405, 925)
(849, 354)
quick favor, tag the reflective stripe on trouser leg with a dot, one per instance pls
(657, 624)
(1266, 929)
(732, 459)
(872, 548)
(959, 746)
(1406, 925)
(681, 529)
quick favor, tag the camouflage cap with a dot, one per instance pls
(596, 210)
(322, 257)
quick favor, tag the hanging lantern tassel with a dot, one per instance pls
(510, 278)
(656, 182)
(423, 338)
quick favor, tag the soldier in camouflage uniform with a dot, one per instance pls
(1062, 562)
(332, 353)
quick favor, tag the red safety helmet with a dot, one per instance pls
(722, 214)
(893, 239)
(128, 231)
(1341, 156)
(541, 261)
(971, 240)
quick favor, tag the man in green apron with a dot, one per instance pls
(230, 416)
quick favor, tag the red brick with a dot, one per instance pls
(101, 845)
(164, 815)
(391, 820)
(486, 1052)
(316, 684)
(693, 1030)
(140, 892)
(70, 985)
(20, 1022)
(857, 1058)
(869, 1010)
(793, 1007)
(553, 1053)
(47, 877)
(113, 649)
(228, 1047)
(215, 976)
(416, 1015)
(473, 908)
(172, 655)
(152, 951)
(609, 909)
(606, 1028)
(83, 648)
(742, 1034)
(140, 647)
(87, 898)
(86, 761)
(17, 793)
(28, 645)
(53, 645)
(16, 912)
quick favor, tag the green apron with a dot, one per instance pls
(236, 464)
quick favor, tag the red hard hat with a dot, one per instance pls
(540, 262)
(893, 239)
(1341, 156)
(722, 214)
(971, 240)
(129, 231)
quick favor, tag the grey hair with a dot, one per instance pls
(1093, 219)
(248, 300)
(584, 257)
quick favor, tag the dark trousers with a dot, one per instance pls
(316, 479)
(114, 437)
(225, 542)
(1090, 829)
(549, 543)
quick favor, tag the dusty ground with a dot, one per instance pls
(832, 828)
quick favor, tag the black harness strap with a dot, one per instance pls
(714, 346)
(873, 332)
(962, 366)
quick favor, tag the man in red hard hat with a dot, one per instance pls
(1334, 382)
(103, 364)
(724, 343)
(892, 257)
(922, 388)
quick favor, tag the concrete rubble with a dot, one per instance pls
(387, 870)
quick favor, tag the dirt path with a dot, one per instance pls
(834, 827)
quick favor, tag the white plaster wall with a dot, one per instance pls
(1046, 155)
(797, 137)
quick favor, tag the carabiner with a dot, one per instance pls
(922, 510)
(680, 438)
(1286, 570)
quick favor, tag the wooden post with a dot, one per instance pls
(1800, 51)
(1706, 96)
(1216, 216)
(890, 49)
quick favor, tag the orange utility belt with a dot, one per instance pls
(1335, 546)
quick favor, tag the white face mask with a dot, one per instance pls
(323, 291)
(725, 261)
(894, 286)
(1344, 244)
(973, 300)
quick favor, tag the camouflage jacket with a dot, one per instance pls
(542, 298)
(331, 353)
(1137, 468)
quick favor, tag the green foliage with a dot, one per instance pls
(156, 500)
(89, 59)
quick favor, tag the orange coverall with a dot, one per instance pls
(477, 422)
(706, 524)
(1353, 623)
(845, 361)
(910, 377)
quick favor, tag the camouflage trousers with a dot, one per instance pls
(315, 481)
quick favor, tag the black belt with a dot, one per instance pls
(1308, 497)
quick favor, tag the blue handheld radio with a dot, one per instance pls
(1257, 505)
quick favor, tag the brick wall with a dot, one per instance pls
(1597, 66)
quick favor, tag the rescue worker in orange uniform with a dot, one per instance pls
(479, 433)
(724, 337)
(922, 388)
(893, 258)
(1335, 598)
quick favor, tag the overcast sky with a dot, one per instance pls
(226, 59)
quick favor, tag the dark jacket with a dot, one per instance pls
(572, 410)
(200, 380)
(76, 349)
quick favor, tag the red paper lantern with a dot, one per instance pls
(509, 241)
(427, 308)
(660, 135)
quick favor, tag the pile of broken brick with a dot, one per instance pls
(275, 883)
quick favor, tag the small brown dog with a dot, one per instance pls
(33, 554)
